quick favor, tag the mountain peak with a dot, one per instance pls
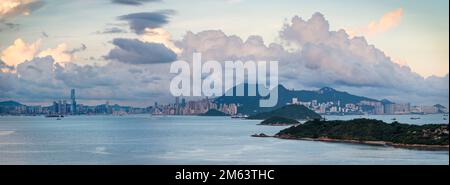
(326, 89)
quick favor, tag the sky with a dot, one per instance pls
(120, 50)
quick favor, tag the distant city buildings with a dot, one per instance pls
(192, 107)
(195, 107)
(368, 107)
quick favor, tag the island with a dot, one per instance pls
(372, 132)
(293, 111)
(214, 112)
(279, 121)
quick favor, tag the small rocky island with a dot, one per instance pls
(279, 121)
(372, 132)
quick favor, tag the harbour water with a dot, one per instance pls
(145, 139)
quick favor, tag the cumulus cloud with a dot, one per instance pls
(10, 8)
(386, 22)
(134, 51)
(59, 53)
(140, 21)
(323, 58)
(159, 35)
(216, 45)
(133, 2)
(20, 51)
(42, 79)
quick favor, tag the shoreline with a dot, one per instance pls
(373, 143)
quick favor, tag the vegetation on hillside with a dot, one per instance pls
(277, 120)
(371, 130)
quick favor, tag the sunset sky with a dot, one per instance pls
(120, 50)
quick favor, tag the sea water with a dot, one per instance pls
(146, 139)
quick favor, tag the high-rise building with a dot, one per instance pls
(389, 108)
(177, 106)
(55, 107)
(73, 108)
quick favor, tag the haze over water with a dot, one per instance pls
(145, 139)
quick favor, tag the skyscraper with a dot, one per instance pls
(177, 105)
(73, 108)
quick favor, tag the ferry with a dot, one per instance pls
(54, 116)
(240, 116)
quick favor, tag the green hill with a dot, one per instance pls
(370, 130)
(298, 112)
(277, 120)
(10, 104)
(250, 104)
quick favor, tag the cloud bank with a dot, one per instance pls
(323, 58)
(137, 69)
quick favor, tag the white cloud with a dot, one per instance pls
(323, 58)
(20, 51)
(9, 8)
(159, 35)
(59, 53)
(386, 22)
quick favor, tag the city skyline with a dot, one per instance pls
(202, 105)
(397, 50)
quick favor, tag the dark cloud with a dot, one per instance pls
(112, 30)
(79, 49)
(133, 2)
(8, 26)
(139, 21)
(134, 51)
(3, 65)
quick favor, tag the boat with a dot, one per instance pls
(393, 119)
(414, 118)
(240, 116)
(54, 116)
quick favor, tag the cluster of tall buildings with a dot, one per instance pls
(193, 107)
(368, 107)
(62, 107)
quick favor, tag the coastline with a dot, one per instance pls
(373, 143)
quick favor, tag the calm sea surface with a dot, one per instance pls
(145, 139)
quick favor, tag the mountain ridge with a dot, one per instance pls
(250, 104)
